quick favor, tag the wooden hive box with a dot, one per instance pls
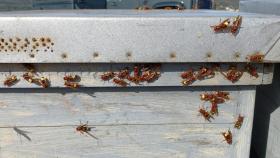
(151, 119)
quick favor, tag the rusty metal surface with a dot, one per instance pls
(137, 36)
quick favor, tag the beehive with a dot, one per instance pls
(150, 119)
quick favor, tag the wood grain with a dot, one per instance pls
(90, 74)
(143, 122)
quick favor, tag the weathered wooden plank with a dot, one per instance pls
(243, 142)
(90, 74)
(137, 36)
(111, 107)
(138, 122)
(145, 141)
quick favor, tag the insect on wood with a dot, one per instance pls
(236, 24)
(11, 80)
(186, 82)
(124, 73)
(214, 109)
(252, 70)
(227, 136)
(42, 81)
(72, 85)
(205, 73)
(207, 96)
(120, 82)
(207, 116)
(187, 74)
(224, 95)
(256, 58)
(239, 122)
(221, 26)
(71, 78)
(233, 74)
(84, 128)
(107, 76)
(150, 76)
(28, 76)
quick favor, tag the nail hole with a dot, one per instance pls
(95, 54)
(209, 55)
(237, 55)
(128, 54)
(31, 55)
(64, 55)
(172, 55)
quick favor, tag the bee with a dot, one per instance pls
(28, 76)
(214, 109)
(224, 95)
(150, 76)
(135, 80)
(84, 128)
(257, 57)
(227, 136)
(120, 82)
(252, 70)
(207, 116)
(11, 80)
(221, 26)
(233, 74)
(207, 96)
(188, 81)
(107, 76)
(216, 97)
(239, 122)
(205, 72)
(236, 24)
(217, 100)
(71, 78)
(123, 74)
(136, 71)
(72, 85)
(187, 74)
(42, 81)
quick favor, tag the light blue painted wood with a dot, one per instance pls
(138, 122)
(90, 74)
(129, 36)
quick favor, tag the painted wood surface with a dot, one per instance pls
(129, 122)
(138, 36)
(90, 74)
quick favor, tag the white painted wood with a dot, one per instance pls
(90, 75)
(139, 36)
(179, 141)
(138, 122)
(243, 140)
(151, 107)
